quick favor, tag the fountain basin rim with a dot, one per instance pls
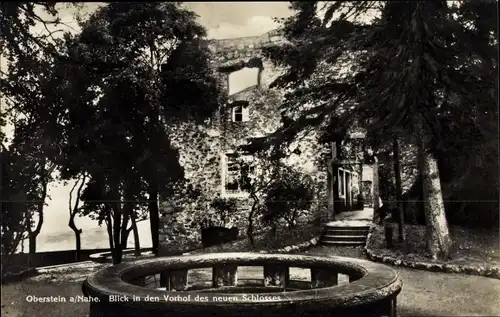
(379, 281)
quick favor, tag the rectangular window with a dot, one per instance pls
(235, 174)
(240, 114)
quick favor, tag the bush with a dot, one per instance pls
(287, 198)
(220, 212)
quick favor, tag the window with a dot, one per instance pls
(235, 174)
(341, 182)
(240, 114)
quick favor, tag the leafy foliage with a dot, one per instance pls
(13, 209)
(414, 69)
(223, 209)
(288, 197)
(117, 84)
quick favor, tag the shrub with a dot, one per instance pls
(287, 198)
(220, 212)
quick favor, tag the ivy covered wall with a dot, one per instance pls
(202, 147)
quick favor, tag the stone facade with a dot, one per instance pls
(203, 148)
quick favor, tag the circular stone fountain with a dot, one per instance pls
(160, 287)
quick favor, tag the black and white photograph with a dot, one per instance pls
(253, 159)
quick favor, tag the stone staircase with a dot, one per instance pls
(346, 233)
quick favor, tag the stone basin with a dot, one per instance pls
(123, 290)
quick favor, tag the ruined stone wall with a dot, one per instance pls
(201, 148)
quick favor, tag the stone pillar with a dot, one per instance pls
(361, 198)
(174, 280)
(276, 275)
(224, 275)
(141, 281)
(332, 176)
(323, 278)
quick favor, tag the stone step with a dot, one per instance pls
(334, 238)
(347, 227)
(343, 232)
(344, 243)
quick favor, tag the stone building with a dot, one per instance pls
(207, 151)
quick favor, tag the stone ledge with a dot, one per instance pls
(296, 247)
(19, 276)
(469, 269)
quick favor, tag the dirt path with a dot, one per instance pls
(424, 293)
(441, 294)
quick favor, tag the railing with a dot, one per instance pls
(162, 286)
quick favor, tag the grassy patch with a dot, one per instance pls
(470, 246)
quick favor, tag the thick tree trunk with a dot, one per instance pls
(125, 235)
(117, 250)
(439, 240)
(397, 173)
(129, 195)
(32, 243)
(375, 189)
(331, 210)
(154, 219)
(128, 209)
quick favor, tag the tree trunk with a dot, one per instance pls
(154, 219)
(439, 240)
(116, 207)
(332, 172)
(34, 234)
(250, 221)
(375, 188)
(129, 204)
(109, 228)
(274, 229)
(331, 207)
(117, 250)
(73, 210)
(125, 235)
(397, 173)
(128, 209)
(137, 244)
(361, 198)
(32, 243)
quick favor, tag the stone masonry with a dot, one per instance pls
(203, 148)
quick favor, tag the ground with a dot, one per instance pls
(470, 246)
(424, 293)
(442, 294)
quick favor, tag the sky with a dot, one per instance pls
(222, 20)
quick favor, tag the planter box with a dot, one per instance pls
(217, 235)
